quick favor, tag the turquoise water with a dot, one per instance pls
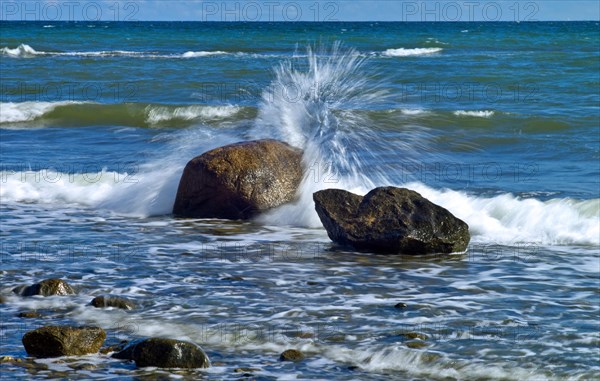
(497, 122)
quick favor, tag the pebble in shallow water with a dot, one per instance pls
(291, 355)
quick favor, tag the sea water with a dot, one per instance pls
(497, 122)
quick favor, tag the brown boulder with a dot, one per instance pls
(56, 341)
(239, 181)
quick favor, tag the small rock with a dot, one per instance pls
(29, 314)
(291, 355)
(400, 305)
(165, 353)
(27, 363)
(6, 359)
(103, 301)
(2, 300)
(46, 287)
(414, 335)
(114, 348)
(233, 278)
(416, 344)
(245, 370)
(304, 335)
(84, 366)
(56, 341)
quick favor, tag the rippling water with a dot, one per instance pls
(498, 124)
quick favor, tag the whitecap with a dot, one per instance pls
(478, 114)
(157, 114)
(22, 50)
(402, 52)
(25, 111)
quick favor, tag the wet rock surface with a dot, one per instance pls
(291, 355)
(239, 181)
(56, 341)
(390, 220)
(104, 301)
(46, 287)
(164, 353)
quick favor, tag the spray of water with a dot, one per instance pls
(319, 105)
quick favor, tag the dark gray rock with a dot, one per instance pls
(390, 220)
(124, 352)
(104, 301)
(56, 341)
(164, 353)
(46, 287)
(239, 181)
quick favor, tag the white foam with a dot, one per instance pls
(26, 111)
(418, 111)
(506, 219)
(25, 50)
(149, 190)
(478, 114)
(49, 186)
(157, 114)
(402, 52)
(419, 362)
(202, 54)
(22, 50)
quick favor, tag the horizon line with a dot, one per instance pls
(301, 21)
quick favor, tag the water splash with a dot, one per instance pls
(316, 105)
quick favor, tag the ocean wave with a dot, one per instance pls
(71, 113)
(503, 219)
(402, 52)
(158, 114)
(27, 111)
(26, 51)
(22, 50)
(509, 219)
(416, 111)
(478, 114)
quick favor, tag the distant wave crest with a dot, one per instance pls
(26, 51)
(477, 114)
(402, 52)
(158, 114)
